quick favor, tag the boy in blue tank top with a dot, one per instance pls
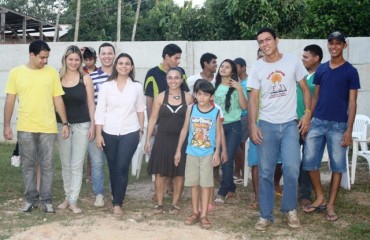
(204, 124)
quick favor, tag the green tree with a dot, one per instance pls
(282, 15)
(350, 16)
(45, 10)
(98, 20)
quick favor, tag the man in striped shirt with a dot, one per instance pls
(106, 58)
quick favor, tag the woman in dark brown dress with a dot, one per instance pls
(169, 110)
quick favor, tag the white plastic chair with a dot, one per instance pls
(359, 134)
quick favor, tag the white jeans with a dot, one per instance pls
(72, 153)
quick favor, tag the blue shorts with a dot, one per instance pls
(321, 133)
(252, 154)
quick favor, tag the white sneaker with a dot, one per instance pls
(99, 200)
(292, 219)
(262, 224)
(15, 161)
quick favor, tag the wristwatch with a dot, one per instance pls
(65, 124)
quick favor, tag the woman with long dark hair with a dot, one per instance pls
(169, 110)
(119, 122)
(230, 97)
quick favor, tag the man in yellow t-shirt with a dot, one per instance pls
(39, 91)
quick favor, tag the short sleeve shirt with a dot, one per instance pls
(277, 83)
(335, 84)
(35, 89)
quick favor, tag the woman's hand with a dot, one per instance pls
(100, 142)
(177, 158)
(234, 84)
(147, 147)
(91, 133)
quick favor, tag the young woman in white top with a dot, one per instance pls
(119, 120)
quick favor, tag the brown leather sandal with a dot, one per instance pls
(192, 219)
(205, 223)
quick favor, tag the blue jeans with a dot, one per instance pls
(72, 152)
(97, 158)
(324, 132)
(304, 180)
(33, 148)
(119, 151)
(233, 136)
(278, 140)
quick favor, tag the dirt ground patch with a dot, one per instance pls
(110, 229)
(234, 220)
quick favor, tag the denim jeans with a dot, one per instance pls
(72, 152)
(97, 159)
(321, 133)
(233, 136)
(304, 181)
(119, 151)
(278, 140)
(33, 148)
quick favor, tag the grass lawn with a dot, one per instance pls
(236, 219)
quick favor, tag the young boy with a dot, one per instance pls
(204, 122)
(89, 56)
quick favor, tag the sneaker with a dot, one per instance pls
(63, 205)
(220, 200)
(48, 208)
(75, 209)
(28, 207)
(15, 161)
(99, 200)
(292, 219)
(262, 224)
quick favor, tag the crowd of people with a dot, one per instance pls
(290, 109)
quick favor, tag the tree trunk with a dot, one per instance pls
(56, 33)
(136, 20)
(77, 26)
(119, 20)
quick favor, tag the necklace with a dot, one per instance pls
(176, 97)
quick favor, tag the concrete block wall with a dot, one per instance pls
(148, 54)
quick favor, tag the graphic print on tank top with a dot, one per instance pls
(201, 128)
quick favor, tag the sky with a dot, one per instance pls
(195, 2)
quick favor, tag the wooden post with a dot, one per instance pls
(24, 29)
(2, 26)
(41, 30)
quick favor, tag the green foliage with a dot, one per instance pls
(98, 20)
(163, 20)
(45, 10)
(350, 16)
(282, 15)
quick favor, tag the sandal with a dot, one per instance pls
(205, 223)
(253, 205)
(158, 209)
(192, 219)
(174, 210)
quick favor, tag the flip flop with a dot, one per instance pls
(253, 205)
(309, 208)
(239, 181)
(331, 217)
